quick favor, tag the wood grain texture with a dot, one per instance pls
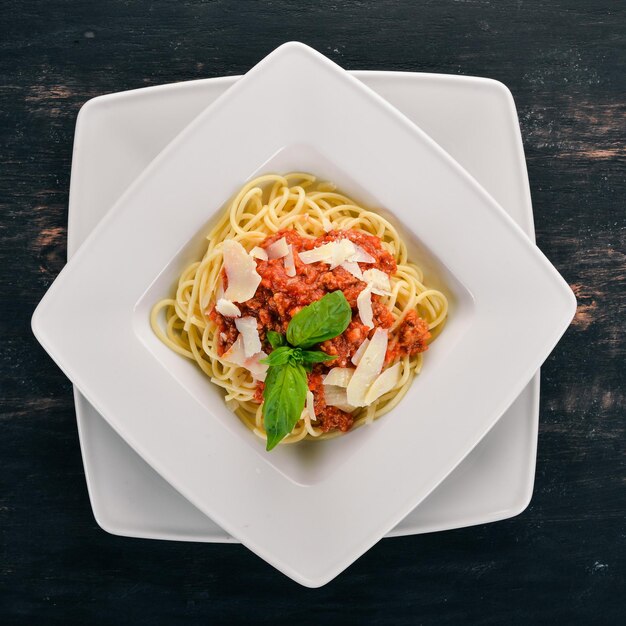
(564, 558)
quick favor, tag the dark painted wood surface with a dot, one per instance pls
(563, 559)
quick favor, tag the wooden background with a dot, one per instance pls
(560, 561)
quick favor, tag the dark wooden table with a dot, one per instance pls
(560, 561)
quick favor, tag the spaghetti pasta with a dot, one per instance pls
(265, 206)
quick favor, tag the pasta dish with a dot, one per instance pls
(305, 309)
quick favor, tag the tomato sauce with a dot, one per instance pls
(279, 297)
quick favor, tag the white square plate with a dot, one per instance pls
(116, 138)
(509, 307)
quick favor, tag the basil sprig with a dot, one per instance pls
(286, 384)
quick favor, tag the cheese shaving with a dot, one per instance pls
(384, 383)
(227, 308)
(356, 357)
(353, 268)
(361, 256)
(289, 261)
(236, 356)
(364, 305)
(247, 326)
(379, 281)
(334, 253)
(336, 396)
(342, 250)
(259, 253)
(278, 249)
(338, 376)
(368, 369)
(240, 267)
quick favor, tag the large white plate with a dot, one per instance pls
(308, 510)
(474, 120)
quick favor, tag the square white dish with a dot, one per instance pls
(474, 119)
(177, 422)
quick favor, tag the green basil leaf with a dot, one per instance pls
(321, 320)
(316, 356)
(276, 339)
(283, 400)
(280, 356)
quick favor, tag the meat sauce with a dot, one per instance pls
(279, 297)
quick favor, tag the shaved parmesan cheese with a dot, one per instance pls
(310, 405)
(384, 383)
(353, 268)
(334, 253)
(338, 376)
(356, 357)
(236, 355)
(255, 367)
(243, 278)
(364, 305)
(343, 249)
(326, 225)
(259, 253)
(227, 308)
(379, 281)
(321, 253)
(290, 264)
(368, 369)
(278, 249)
(247, 326)
(360, 256)
(336, 396)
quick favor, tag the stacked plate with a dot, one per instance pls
(163, 457)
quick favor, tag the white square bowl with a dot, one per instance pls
(116, 138)
(281, 113)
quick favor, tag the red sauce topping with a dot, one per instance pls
(279, 297)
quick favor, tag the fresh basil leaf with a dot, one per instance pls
(316, 356)
(283, 400)
(276, 339)
(280, 356)
(321, 320)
